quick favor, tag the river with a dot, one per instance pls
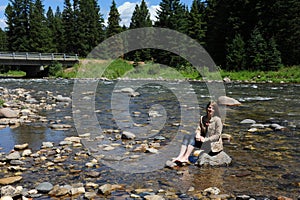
(264, 163)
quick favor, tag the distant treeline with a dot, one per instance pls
(238, 34)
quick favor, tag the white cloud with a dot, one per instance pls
(153, 12)
(126, 11)
(127, 8)
(2, 23)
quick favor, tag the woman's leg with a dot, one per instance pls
(186, 148)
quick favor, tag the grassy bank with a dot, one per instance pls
(284, 74)
(124, 69)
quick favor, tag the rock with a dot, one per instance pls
(6, 198)
(60, 98)
(260, 126)
(16, 162)
(8, 113)
(284, 198)
(73, 139)
(13, 156)
(128, 135)
(153, 197)
(228, 101)
(226, 80)
(47, 145)
(217, 160)
(21, 146)
(243, 197)
(90, 195)
(226, 137)
(170, 164)
(26, 152)
(79, 190)
(44, 187)
(248, 121)
(9, 191)
(213, 190)
(106, 189)
(252, 130)
(93, 174)
(151, 150)
(10, 180)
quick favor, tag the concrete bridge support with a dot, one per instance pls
(35, 71)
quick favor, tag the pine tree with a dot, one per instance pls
(56, 29)
(256, 51)
(236, 54)
(68, 27)
(17, 15)
(3, 41)
(40, 35)
(197, 29)
(90, 22)
(114, 20)
(140, 19)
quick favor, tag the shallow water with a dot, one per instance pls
(271, 167)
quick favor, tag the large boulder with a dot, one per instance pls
(8, 113)
(228, 101)
(220, 159)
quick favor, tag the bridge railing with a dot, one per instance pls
(37, 56)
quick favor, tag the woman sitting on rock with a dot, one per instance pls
(209, 130)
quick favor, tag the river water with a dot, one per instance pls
(264, 163)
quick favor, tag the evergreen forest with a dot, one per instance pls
(238, 34)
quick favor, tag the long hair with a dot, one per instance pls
(215, 106)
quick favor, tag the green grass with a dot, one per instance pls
(284, 74)
(14, 73)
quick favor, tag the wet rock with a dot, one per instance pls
(106, 189)
(13, 156)
(93, 174)
(151, 150)
(153, 197)
(47, 145)
(8, 113)
(217, 160)
(248, 121)
(284, 198)
(9, 191)
(10, 180)
(17, 162)
(26, 152)
(228, 101)
(76, 191)
(90, 195)
(212, 190)
(243, 197)
(60, 98)
(60, 191)
(128, 135)
(44, 187)
(6, 198)
(259, 126)
(73, 139)
(21, 146)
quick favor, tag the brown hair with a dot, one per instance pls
(215, 106)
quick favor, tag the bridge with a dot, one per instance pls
(34, 63)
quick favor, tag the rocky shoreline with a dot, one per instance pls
(68, 170)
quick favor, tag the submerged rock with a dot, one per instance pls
(228, 101)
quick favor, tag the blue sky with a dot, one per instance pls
(125, 8)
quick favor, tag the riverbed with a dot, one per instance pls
(265, 163)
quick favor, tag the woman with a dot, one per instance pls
(209, 130)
